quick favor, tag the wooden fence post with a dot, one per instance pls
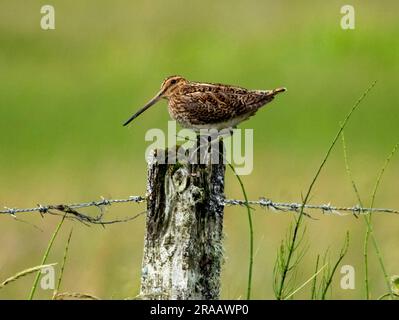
(184, 230)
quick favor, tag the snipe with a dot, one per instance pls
(196, 105)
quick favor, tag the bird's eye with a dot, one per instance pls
(173, 81)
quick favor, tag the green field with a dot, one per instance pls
(65, 93)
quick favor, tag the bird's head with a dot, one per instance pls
(169, 86)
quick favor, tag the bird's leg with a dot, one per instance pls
(227, 132)
(206, 143)
(231, 130)
(215, 144)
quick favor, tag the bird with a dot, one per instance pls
(197, 105)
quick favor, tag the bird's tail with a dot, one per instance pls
(278, 90)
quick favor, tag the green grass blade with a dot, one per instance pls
(24, 273)
(63, 264)
(251, 234)
(306, 282)
(329, 278)
(46, 253)
(314, 283)
(75, 296)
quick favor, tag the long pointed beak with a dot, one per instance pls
(148, 105)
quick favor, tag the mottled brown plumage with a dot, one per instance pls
(198, 105)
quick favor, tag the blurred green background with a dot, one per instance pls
(65, 93)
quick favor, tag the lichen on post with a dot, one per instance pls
(183, 249)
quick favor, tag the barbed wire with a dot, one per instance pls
(296, 207)
(70, 210)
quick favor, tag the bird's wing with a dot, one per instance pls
(215, 107)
